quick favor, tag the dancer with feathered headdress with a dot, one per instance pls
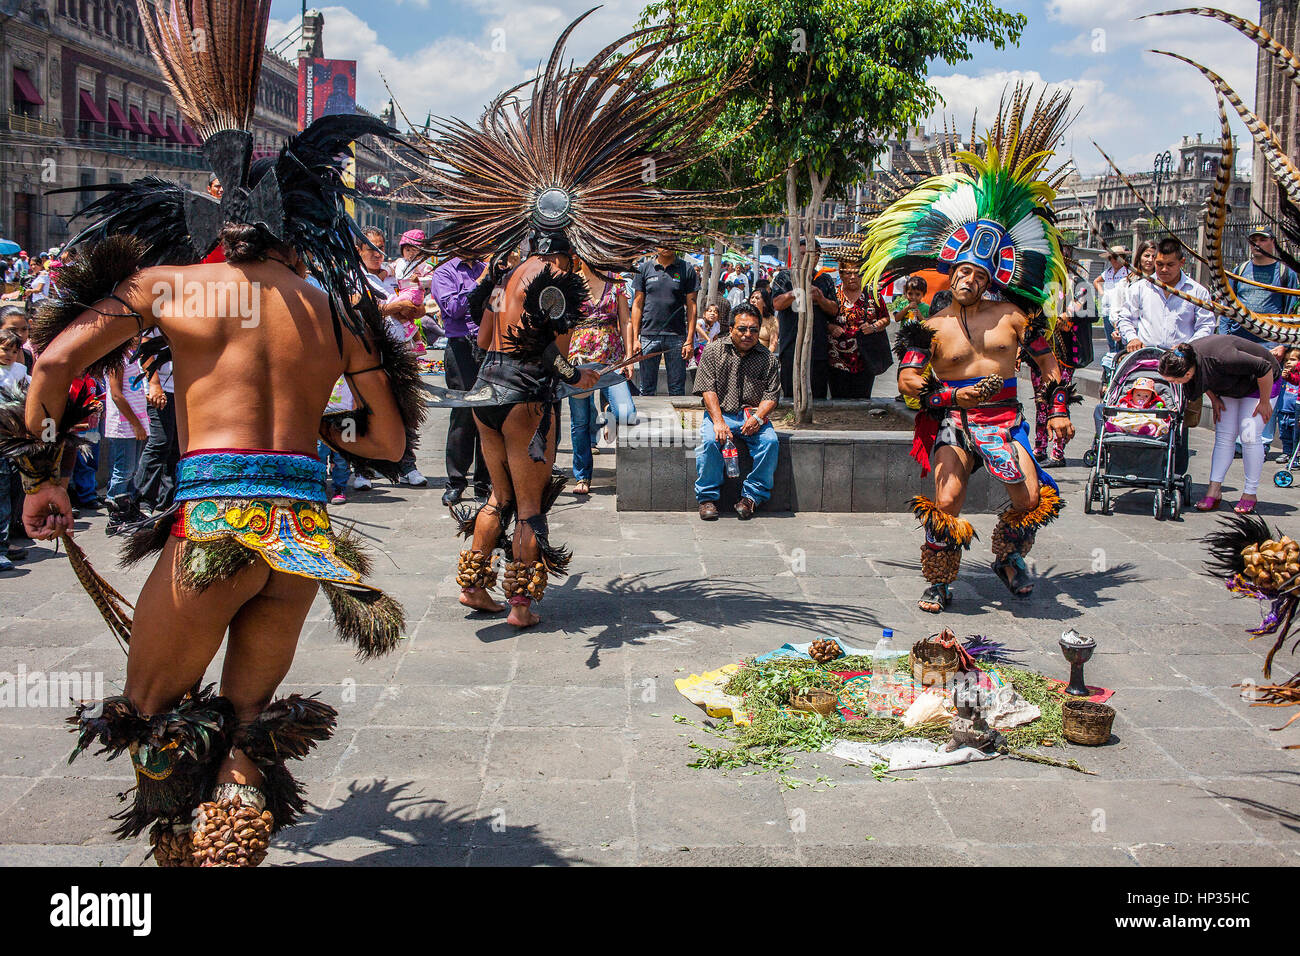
(989, 226)
(572, 173)
(248, 541)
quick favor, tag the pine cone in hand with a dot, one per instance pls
(988, 386)
(824, 651)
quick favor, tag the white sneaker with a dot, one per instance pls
(361, 483)
(415, 479)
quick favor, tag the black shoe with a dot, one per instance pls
(481, 492)
(15, 553)
(453, 495)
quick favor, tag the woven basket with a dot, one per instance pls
(817, 700)
(933, 664)
(1087, 722)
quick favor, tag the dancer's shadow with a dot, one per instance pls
(1261, 810)
(665, 607)
(415, 830)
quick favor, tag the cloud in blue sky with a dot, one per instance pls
(450, 58)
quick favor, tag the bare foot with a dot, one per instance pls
(480, 600)
(521, 615)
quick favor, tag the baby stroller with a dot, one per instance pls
(1283, 477)
(1123, 460)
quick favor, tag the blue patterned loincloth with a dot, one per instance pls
(237, 473)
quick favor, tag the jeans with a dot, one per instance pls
(84, 484)
(337, 466)
(763, 447)
(8, 477)
(155, 474)
(1285, 424)
(463, 448)
(649, 370)
(125, 455)
(584, 427)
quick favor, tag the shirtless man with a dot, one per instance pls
(240, 384)
(519, 441)
(973, 349)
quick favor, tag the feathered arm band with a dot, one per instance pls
(1058, 397)
(1036, 341)
(403, 370)
(38, 458)
(913, 343)
(89, 277)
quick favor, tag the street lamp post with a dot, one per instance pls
(1161, 172)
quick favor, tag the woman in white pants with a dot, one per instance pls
(1237, 376)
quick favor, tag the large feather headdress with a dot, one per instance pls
(577, 164)
(210, 55)
(994, 211)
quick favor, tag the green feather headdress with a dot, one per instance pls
(992, 210)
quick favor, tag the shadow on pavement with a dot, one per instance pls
(407, 824)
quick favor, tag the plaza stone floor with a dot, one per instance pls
(474, 744)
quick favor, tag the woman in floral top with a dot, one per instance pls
(603, 336)
(859, 344)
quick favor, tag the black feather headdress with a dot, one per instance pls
(296, 197)
(576, 165)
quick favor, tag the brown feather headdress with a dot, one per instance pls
(579, 164)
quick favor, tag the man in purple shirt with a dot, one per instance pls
(450, 286)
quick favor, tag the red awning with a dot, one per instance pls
(188, 134)
(89, 111)
(138, 124)
(116, 118)
(156, 126)
(173, 133)
(26, 89)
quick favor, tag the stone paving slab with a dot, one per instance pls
(475, 745)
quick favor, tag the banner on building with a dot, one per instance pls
(324, 87)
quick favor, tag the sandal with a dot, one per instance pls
(1019, 583)
(1208, 504)
(582, 488)
(936, 594)
(1244, 507)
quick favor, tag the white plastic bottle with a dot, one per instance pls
(882, 662)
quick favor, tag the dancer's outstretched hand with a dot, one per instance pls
(47, 513)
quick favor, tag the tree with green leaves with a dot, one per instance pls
(833, 78)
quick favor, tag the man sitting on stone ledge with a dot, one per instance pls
(740, 384)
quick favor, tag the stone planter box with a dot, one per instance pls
(836, 471)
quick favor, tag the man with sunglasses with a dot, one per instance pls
(740, 384)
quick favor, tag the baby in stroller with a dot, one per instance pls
(1141, 397)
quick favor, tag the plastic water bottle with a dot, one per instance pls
(882, 660)
(731, 459)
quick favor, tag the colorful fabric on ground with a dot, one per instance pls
(291, 536)
(1098, 695)
(237, 473)
(705, 690)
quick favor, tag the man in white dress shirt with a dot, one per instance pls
(1149, 316)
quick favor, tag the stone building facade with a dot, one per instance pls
(85, 104)
(1277, 101)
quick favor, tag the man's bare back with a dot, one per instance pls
(255, 357)
(988, 345)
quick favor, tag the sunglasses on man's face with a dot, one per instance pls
(747, 329)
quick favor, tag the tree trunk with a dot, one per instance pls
(800, 396)
(714, 293)
(803, 410)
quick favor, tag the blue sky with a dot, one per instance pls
(452, 57)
